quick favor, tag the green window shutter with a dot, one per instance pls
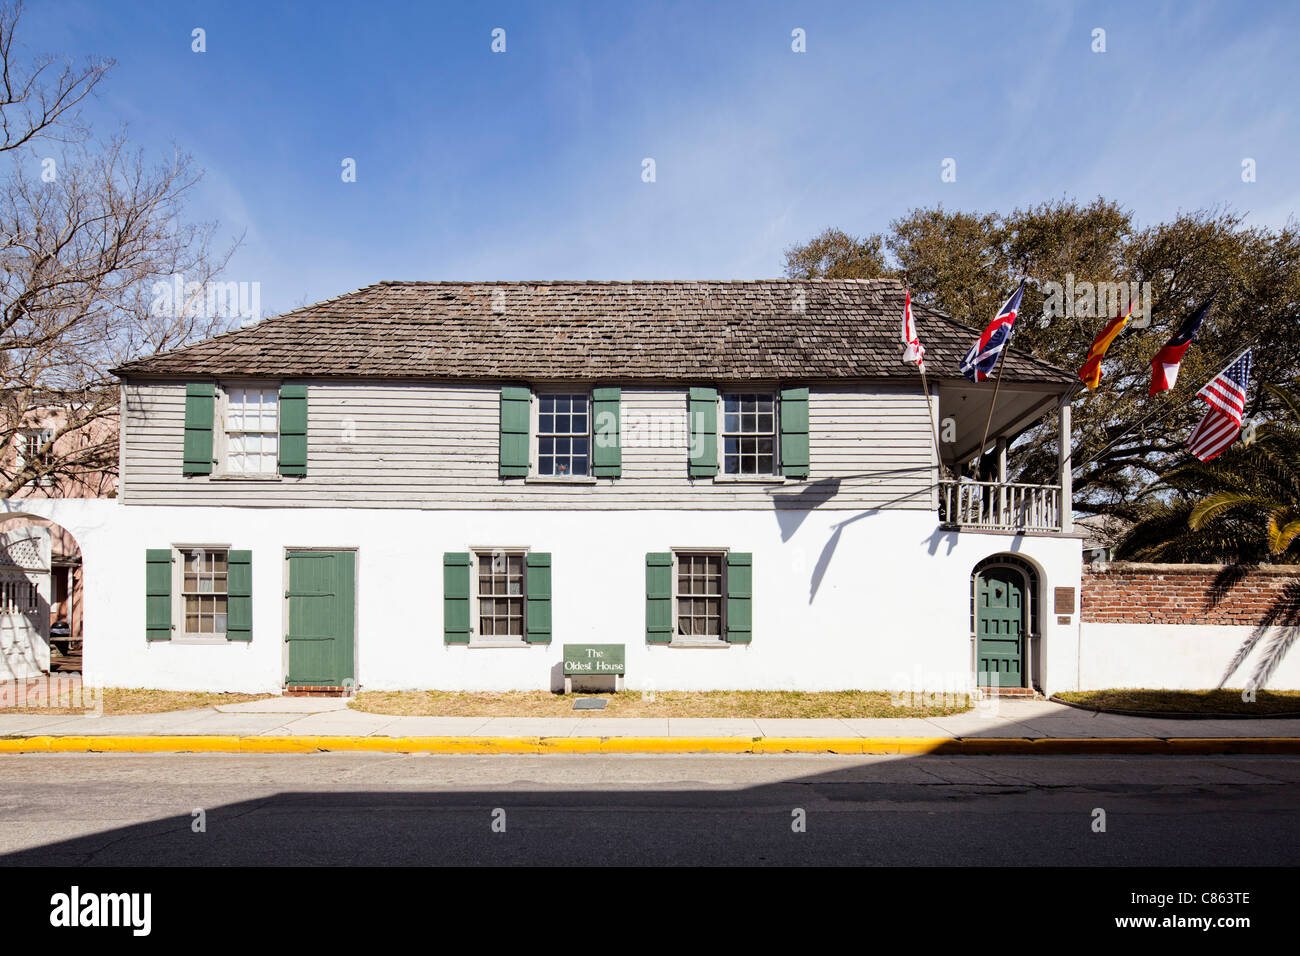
(516, 413)
(794, 432)
(607, 448)
(293, 429)
(239, 600)
(158, 594)
(200, 405)
(455, 597)
(537, 585)
(740, 598)
(659, 597)
(703, 408)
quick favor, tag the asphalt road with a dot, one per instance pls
(331, 809)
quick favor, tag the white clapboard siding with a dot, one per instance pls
(432, 446)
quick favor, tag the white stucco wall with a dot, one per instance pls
(1177, 656)
(842, 599)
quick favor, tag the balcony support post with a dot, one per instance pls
(1067, 483)
(1002, 481)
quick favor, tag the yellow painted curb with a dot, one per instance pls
(180, 743)
(666, 745)
(803, 745)
(275, 745)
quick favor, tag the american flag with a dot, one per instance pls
(1226, 396)
(983, 355)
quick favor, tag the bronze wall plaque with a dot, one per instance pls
(1064, 603)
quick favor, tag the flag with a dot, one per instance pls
(1165, 364)
(914, 351)
(1226, 396)
(1090, 374)
(983, 355)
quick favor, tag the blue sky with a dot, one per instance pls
(528, 164)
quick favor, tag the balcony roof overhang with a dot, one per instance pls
(1019, 406)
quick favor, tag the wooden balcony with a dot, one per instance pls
(1001, 506)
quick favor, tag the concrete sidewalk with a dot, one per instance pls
(303, 724)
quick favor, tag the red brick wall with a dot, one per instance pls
(1131, 593)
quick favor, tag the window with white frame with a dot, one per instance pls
(30, 443)
(203, 592)
(502, 588)
(748, 434)
(252, 430)
(699, 590)
(563, 435)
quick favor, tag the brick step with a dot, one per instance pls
(1010, 691)
(308, 690)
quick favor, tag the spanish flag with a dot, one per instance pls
(1090, 374)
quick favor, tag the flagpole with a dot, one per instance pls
(934, 430)
(1006, 347)
(925, 385)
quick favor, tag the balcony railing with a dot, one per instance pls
(1000, 506)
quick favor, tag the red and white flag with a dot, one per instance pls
(914, 351)
(1226, 396)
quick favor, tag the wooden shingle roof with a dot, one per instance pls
(652, 330)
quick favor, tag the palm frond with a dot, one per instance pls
(1216, 504)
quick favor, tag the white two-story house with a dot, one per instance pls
(437, 485)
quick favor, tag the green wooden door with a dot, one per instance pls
(321, 602)
(1000, 628)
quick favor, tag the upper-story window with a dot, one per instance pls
(252, 430)
(31, 442)
(563, 435)
(749, 434)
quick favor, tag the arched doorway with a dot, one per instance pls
(40, 598)
(1004, 621)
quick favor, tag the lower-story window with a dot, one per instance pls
(203, 592)
(501, 595)
(700, 590)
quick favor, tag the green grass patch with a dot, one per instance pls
(1226, 701)
(720, 703)
(118, 701)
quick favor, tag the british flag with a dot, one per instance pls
(983, 355)
(1226, 396)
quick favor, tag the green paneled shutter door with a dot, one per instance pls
(607, 454)
(703, 409)
(200, 405)
(321, 599)
(537, 584)
(158, 594)
(999, 627)
(239, 600)
(293, 429)
(740, 598)
(659, 597)
(516, 414)
(794, 432)
(455, 597)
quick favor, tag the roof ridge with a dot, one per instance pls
(461, 283)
